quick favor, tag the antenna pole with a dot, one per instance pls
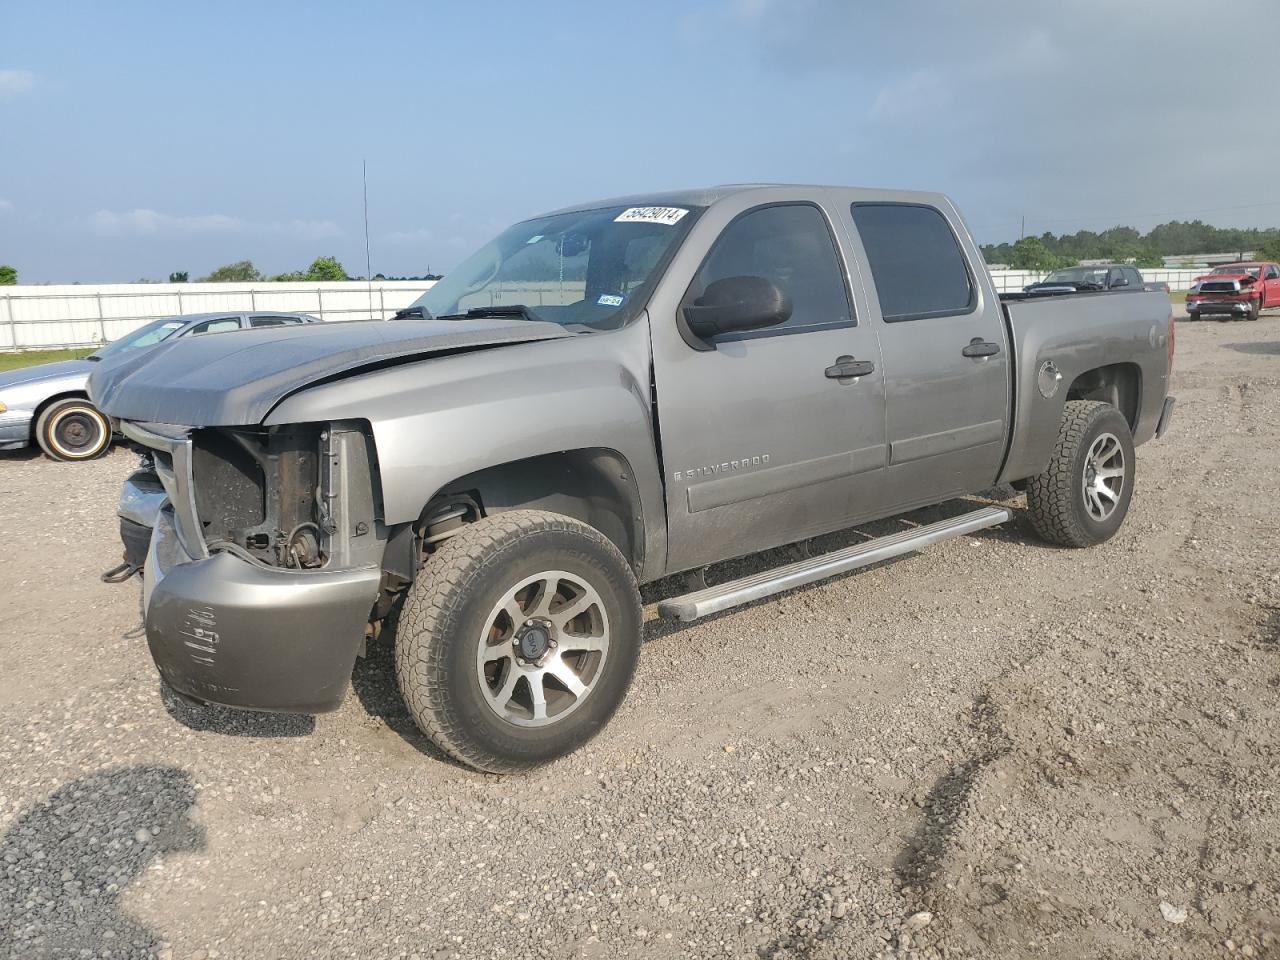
(368, 257)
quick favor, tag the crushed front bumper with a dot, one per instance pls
(231, 632)
(1218, 308)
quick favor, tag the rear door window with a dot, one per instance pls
(219, 325)
(273, 321)
(916, 261)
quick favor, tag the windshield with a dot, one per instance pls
(593, 268)
(1096, 275)
(1252, 270)
(147, 336)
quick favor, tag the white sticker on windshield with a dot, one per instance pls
(666, 215)
(610, 300)
(534, 239)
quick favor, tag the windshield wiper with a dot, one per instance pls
(417, 313)
(505, 310)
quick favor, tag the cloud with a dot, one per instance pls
(1062, 119)
(421, 235)
(14, 83)
(142, 222)
(5, 205)
(919, 92)
(750, 9)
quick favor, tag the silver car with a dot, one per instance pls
(47, 404)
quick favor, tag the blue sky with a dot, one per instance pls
(137, 138)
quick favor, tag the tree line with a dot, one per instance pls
(322, 270)
(1127, 245)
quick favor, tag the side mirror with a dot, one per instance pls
(1119, 282)
(736, 304)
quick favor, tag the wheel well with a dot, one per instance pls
(1119, 384)
(594, 485)
(49, 401)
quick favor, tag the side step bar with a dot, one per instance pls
(691, 606)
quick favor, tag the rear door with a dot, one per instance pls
(946, 360)
(762, 442)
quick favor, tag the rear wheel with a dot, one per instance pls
(518, 640)
(1082, 498)
(73, 429)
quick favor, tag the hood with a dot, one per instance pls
(46, 371)
(1241, 278)
(222, 380)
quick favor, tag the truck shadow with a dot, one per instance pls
(1263, 348)
(67, 860)
(374, 683)
(1016, 531)
(235, 723)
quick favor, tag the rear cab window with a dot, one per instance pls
(916, 261)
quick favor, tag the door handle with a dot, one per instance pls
(846, 367)
(981, 348)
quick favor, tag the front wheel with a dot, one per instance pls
(1082, 498)
(518, 640)
(1255, 310)
(73, 429)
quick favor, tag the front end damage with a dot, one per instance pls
(263, 565)
(1224, 296)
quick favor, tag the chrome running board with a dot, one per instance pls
(691, 606)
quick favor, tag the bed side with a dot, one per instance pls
(1103, 346)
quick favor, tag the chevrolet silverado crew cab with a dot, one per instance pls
(600, 397)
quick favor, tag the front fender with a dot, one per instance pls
(439, 419)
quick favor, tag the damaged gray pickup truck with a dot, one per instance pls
(600, 397)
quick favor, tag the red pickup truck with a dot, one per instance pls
(1237, 291)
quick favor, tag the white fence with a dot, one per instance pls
(35, 317)
(1011, 281)
(72, 315)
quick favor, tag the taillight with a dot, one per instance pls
(1172, 329)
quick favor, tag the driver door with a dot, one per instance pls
(762, 443)
(1271, 290)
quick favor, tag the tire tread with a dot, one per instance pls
(1051, 494)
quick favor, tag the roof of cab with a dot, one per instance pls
(706, 196)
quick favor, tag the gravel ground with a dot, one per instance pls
(992, 749)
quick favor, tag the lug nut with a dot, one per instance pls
(522, 662)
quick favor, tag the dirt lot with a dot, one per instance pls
(994, 749)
